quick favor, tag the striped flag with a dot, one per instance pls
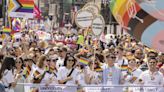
(27, 72)
(98, 69)
(6, 30)
(36, 73)
(124, 67)
(84, 61)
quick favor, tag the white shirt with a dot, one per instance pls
(8, 77)
(120, 61)
(48, 76)
(63, 72)
(59, 63)
(155, 79)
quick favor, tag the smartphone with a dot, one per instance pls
(0, 43)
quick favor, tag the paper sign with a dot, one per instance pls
(84, 18)
(98, 25)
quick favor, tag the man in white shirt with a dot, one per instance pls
(151, 77)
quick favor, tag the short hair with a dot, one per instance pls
(152, 58)
(152, 52)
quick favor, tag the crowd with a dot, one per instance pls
(79, 59)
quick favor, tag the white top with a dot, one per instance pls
(49, 76)
(41, 71)
(8, 77)
(81, 79)
(120, 61)
(59, 63)
(63, 72)
(136, 73)
(154, 79)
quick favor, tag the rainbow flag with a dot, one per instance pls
(6, 29)
(27, 6)
(27, 72)
(84, 61)
(99, 69)
(36, 73)
(124, 67)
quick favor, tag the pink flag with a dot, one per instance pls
(102, 37)
(37, 12)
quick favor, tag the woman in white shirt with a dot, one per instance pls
(18, 74)
(67, 69)
(40, 71)
(51, 75)
(7, 75)
(68, 73)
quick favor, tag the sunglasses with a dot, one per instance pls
(112, 57)
(18, 62)
(138, 62)
(54, 60)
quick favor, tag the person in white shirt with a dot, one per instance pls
(67, 74)
(132, 74)
(39, 73)
(62, 54)
(112, 75)
(162, 71)
(120, 59)
(151, 76)
(51, 74)
(6, 74)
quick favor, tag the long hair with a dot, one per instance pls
(68, 55)
(8, 64)
(41, 60)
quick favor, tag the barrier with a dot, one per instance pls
(29, 87)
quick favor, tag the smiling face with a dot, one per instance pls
(70, 62)
(152, 63)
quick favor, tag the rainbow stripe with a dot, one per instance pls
(131, 16)
(83, 61)
(121, 8)
(99, 69)
(26, 6)
(36, 73)
(124, 67)
(27, 72)
(6, 29)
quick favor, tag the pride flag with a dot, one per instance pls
(124, 67)
(99, 69)
(6, 29)
(27, 72)
(84, 61)
(36, 73)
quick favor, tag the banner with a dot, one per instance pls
(50, 88)
(21, 8)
